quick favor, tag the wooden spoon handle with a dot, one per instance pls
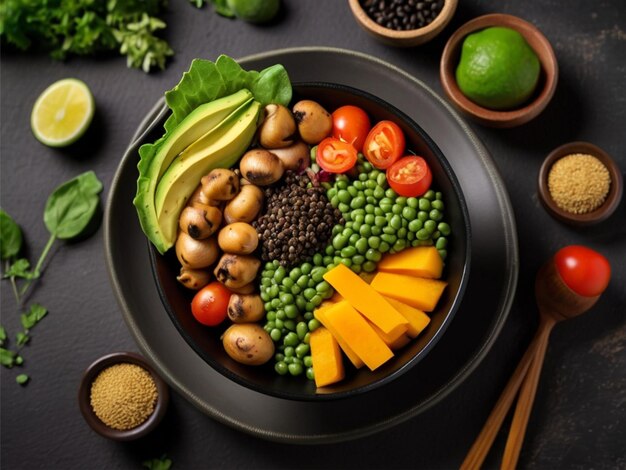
(526, 398)
(479, 450)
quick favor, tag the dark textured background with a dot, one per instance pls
(579, 418)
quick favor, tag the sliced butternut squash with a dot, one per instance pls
(326, 357)
(366, 300)
(393, 343)
(420, 261)
(417, 319)
(321, 316)
(417, 292)
(353, 329)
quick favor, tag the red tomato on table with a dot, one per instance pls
(384, 144)
(210, 304)
(351, 124)
(410, 176)
(584, 270)
(335, 156)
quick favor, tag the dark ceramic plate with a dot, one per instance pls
(206, 341)
(481, 314)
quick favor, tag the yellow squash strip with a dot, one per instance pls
(321, 316)
(393, 343)
(417, 319)
(326, 357)
(421, 261)
(366, 300)
(417, 292)
(354, 330)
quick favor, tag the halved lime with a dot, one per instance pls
(62, 113)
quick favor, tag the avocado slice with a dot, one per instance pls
(220, 148)
(156, 158)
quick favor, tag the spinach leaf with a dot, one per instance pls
(71, 206)
(10, 236)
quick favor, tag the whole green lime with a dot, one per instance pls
(254, 11)
(498, 69)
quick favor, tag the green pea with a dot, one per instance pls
(395, 222)
(286, 298)
(328, 294)
(444, 228)
(381, 181)
(357, 202)
(318, 274)
(288, 283)
(441, 243)
(376, 230)
(273, 291)
(361, 245)
(369, 266)
(313, 324)
(369, 218)
(309, 293)
(281, 368)
(322, 287)
(443, 254)
(391, 239)
(278, 323)
(362, 177)
(327, 260)
(296, 289)
(290, 325)
(358, 260)
(291, 311)
(436, 234)
(415, 242)
(306, 268)
(357, 226)
(399, 245)
(295, 273)
(310, 374)
(301, 330)
(295, 369)
(438, 195)
(318, 259)
(430, 225)
(291, 339)
(334, 201)
(424, 204)
(380, 221)
(279, 274)
(435, 215)
(430, 194)
(410, 236)
(302, 350)
(367, 166)
(353, 238)
(365, 230)
(331, 192)
(339, 241)
(347, 262)
(308, 316)
(373, 255)
(269, 266)
(437, 204)
(422, 234)
(348, 252)
(384, 247)
(422, 215)
(337, 260)
(276, 303)
(412, 202)
(360, 211)
(279, 357)
(396, 209)
(390, 193)
(300, 303)
(373, 242)
(401, 200)
(401, 233)
(379, 192)
(307, 361)
(359, 218)
(317, 300)
(265, 282)
(389, 230)
(343, 207)
(409, 213)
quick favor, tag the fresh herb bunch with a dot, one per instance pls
(83, 27)
(69, 213)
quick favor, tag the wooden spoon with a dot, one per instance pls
(556, 302)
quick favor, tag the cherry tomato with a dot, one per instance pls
(384, 144)
(351, 124)
(410, 176)
(335, 156)
(210, 304)
(584, 270)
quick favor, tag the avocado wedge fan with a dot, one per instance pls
(216, 109)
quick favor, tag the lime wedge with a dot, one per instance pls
(62, 113)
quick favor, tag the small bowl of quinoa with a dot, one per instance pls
(580, 184)
(121, 396)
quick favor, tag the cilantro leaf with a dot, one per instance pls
(33, 316)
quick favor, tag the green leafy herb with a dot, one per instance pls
(20, 268)
(22, 379)
(72, 205)
(162, 463)
(84, 27)
(7, 357)
(10, 236)
(22, 338)
(3, 335)
(33, 316)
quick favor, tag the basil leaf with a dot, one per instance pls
(21, 268)
(7, 357)
(33, 316)
(273, 86)
(72, 205)
(10, 236)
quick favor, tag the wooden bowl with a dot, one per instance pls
(612, 200)
(84, 399)
(547, 80)
(413, 37)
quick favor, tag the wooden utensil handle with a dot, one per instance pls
(526, 398)
(479, 450)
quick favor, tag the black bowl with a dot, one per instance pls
(206, 341)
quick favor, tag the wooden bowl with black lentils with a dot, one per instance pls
(295, 224)
(403, 23)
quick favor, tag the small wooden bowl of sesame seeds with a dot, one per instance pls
(580, 184)
(403, 23)
(122, 397)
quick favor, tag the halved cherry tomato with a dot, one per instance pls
(384, 144)
(584, 270)
(351, 124)
(410, 176)
(335, 156)
(210, 304)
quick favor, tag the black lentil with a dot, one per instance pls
(402, 15)
(297, 221)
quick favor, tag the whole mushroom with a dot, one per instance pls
(245, 206)
(239, 238)
(261, 167)
(220, 184)
(236, 270)
(295, 157)
(248, 343)
(278, 128)
(200, 221)
(194, 279)
(314, 122)
(245, 308)
(196, 254)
